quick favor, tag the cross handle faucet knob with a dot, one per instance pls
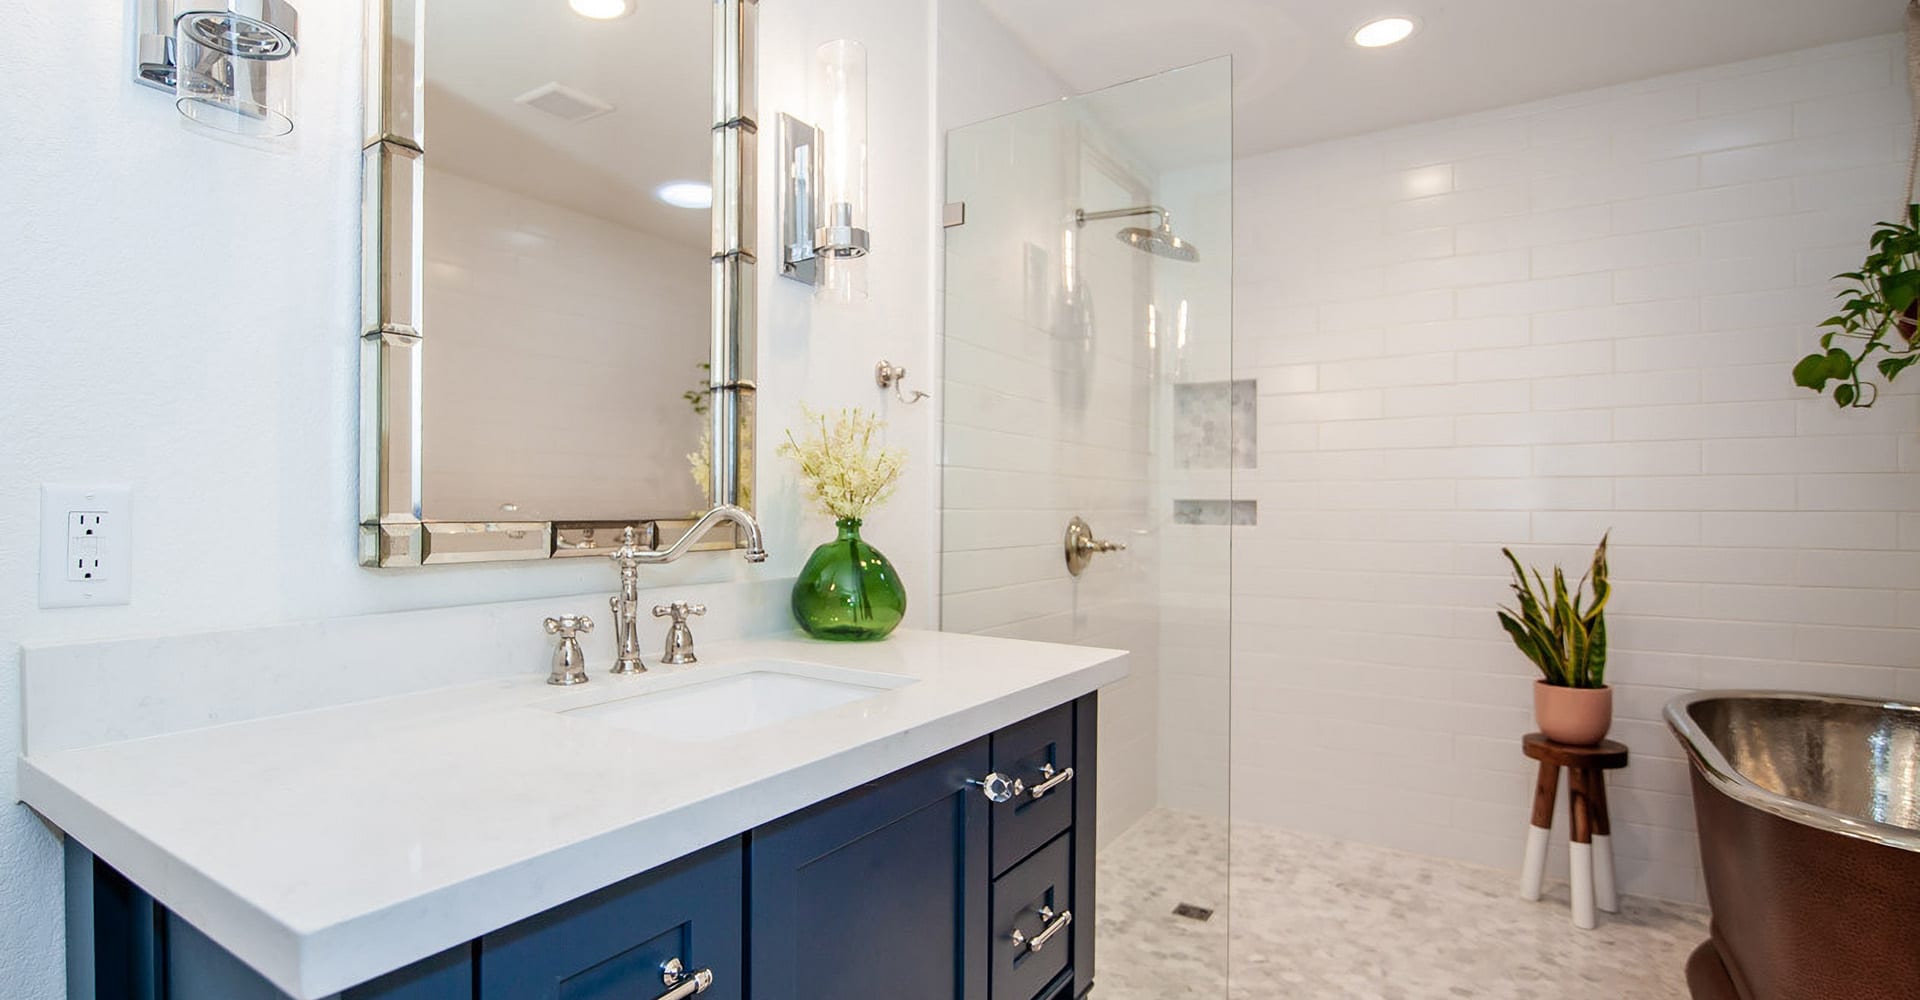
(569, 663)
(679, 637)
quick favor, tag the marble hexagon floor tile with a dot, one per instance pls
(1308, 917)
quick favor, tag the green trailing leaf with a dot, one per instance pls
(1900, 290)
(1890, 367)
(1875, 303)
(1561, 630)
(1815, 370)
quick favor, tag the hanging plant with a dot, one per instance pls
(1879, 316)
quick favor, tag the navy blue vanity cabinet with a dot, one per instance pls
(122, 945)
(638, 939)
(879, 892)
(914, 886)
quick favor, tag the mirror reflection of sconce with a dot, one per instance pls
(228, 63)
(823, 177)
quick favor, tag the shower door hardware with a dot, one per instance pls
(888, 375)
(1051, 781)
(998, 788)
(1082, 546)
(681, 983)
(1055, 924)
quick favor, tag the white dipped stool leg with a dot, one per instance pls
(1533, 871)
(1581, 857)
(1604, 894)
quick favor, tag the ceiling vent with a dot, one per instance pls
(563, 102)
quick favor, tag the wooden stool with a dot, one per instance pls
(1591, 848)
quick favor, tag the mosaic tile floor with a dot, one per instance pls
(1316, 918)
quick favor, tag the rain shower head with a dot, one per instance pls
(1158, 241)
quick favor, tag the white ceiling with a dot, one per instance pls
(1298, 78)
(654, 67)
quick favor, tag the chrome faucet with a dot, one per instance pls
(631, 555)
(626, 605)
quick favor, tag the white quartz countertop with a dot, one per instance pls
(328, 847)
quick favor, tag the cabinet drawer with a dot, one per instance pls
(1034, 752)
(1033, 929)
(617, 943)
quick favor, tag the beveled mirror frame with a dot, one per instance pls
(393, 529)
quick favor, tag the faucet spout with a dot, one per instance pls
(740, 518)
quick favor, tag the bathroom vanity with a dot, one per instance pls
(784, 820)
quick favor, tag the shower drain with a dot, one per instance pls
(1192, 912)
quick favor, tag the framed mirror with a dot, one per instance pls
(557, 306)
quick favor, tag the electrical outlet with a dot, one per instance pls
(85, 538)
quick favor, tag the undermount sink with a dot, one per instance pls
(726, 700)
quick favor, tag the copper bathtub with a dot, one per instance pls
(1809, 817)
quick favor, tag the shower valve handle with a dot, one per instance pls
(1082, 546)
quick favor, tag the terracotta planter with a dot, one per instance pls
(1575, 716)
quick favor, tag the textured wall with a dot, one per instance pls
(181, 313)
(1527, 327)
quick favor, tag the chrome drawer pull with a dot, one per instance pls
(998, 788)
(1054, 926)
(1052, 780)
(683, 984)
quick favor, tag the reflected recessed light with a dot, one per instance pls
(1384, 32)
(686, 194)
(602, 10)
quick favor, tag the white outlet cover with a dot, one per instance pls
(105, 576)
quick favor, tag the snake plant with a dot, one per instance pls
(1567, 641)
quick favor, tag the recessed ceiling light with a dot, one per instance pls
(686, 194)
(602, 10)
(1384, 32)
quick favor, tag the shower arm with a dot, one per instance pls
(1081, 216)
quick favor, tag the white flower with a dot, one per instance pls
(846, 473)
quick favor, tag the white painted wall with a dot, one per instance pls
(181, 316)
(1526, 327)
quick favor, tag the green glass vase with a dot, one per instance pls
(848, 591)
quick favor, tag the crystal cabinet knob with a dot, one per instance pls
(998, 788)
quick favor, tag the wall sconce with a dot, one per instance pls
(823, 183)
(228, 63)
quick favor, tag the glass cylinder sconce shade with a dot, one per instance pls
(840, 109)
(229, 63)
(823, 183)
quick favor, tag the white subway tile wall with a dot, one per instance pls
(1528, 327)
(1042, 423)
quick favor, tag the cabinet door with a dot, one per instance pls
(880, 892)
(617, 943)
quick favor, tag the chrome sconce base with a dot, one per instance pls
(228, 63)
(810, 230)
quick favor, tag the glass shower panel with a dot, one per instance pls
(1088, 375)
